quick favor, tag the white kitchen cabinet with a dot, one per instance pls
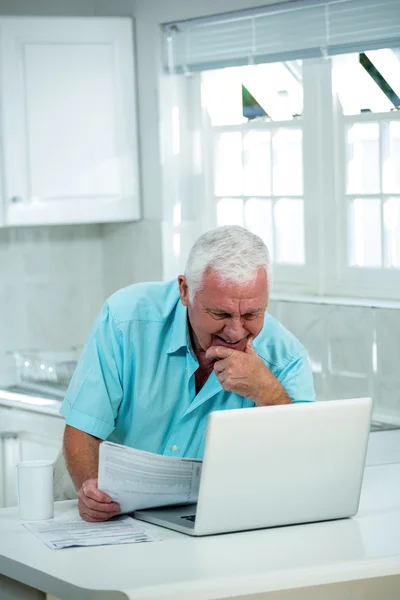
(22, 445)
(68, 120)
(25, 435)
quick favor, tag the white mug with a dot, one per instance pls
(35, 490)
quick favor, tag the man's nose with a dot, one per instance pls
(234, 330)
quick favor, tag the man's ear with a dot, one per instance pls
(183, 290)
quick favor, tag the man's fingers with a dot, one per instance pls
(106, 507)
(224, 383)
(87, 518)
(91, 490)
(90, 510)
(95, 515)
(220, 366)
(219, 352)
(92, 499)
(249, 346)
(95, 519)
(97, 495)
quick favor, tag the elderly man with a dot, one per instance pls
(162, 356)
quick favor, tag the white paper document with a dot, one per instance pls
(137, 479)
(63, 533)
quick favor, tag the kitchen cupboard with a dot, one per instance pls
(68, 121)
(25, 435)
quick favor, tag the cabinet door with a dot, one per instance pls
(16, 446)
(68, 120)
(25, 435)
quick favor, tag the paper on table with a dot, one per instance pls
(64, 533)
(137, 479)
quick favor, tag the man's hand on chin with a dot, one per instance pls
(246, 374)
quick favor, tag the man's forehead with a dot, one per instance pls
(216, 287)
(230, 300)
(243, 305)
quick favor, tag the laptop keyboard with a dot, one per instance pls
(189, 517)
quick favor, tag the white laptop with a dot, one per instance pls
(277, 465)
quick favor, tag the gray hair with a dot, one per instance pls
(233, 252)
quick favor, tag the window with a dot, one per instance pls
(257, 166)
(289, 124)
(373, 193)
(268, 126)
(367, 86)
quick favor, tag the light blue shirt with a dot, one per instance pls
(135, 385)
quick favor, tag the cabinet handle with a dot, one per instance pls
(16, 199)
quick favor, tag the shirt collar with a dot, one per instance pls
(180, 335)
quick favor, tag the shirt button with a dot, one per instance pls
(174, 448)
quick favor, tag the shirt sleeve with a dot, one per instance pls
(95, 392)
(297, 379)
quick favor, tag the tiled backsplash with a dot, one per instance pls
(51, 287)
(131, 252)
(354, 351)
(54, 280)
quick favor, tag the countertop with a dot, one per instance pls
(384, 446)
(49, 406)
(214, 567)
(33, 403)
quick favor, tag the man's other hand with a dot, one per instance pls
(246, 374)
(94, 505)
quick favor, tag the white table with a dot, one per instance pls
(359, 557)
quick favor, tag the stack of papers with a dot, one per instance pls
(137, 479)
(64, 533)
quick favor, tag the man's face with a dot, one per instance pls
(225, 313)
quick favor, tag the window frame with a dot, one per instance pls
(286, 277)
(326, 271)
(351, 280)
(188, 185)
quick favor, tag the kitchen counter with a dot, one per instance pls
(33, 403)
(357, 558)
(384, 446)
(50, 406)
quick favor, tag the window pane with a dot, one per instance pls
(257, 163)
(258, 219)
(356, 89)
(363, 159)
(276, 87)
(387, 62)
(391, 219)
(287, 152)
(365, 233)
(289, 231)
(391, 168)
(230, 211)
(228, 165)
(221, 95)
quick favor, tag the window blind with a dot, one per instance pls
(288, 31)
